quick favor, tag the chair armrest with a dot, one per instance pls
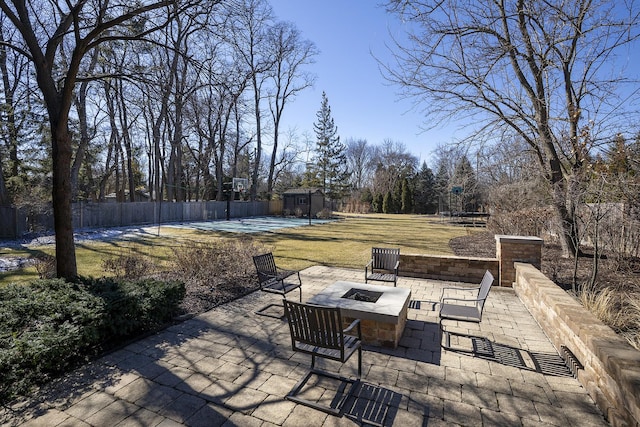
(397, 266)
(264, 277)
(464, 289)
(442, 300)
(470, 288)
(283, 274)
(353, 325)
(366, 268)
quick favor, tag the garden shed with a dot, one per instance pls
(303, 201)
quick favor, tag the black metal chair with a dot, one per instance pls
(383, 266)
(467, 309)
(318, 331)
(275, 280)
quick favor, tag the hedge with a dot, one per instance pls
(51, 326)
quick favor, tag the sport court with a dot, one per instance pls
(263, 224)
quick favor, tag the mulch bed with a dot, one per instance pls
(554, 265)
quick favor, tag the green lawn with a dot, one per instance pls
(344, 243)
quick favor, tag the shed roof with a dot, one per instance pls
(303, 190)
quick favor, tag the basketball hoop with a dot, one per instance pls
(240, 184)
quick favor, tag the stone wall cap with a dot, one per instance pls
(518, 239)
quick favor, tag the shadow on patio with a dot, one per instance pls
(231, 367)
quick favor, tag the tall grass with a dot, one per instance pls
(618, 309)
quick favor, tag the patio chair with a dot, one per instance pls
(464, 309)
(317, 330)
(275, 280)
(383, 266)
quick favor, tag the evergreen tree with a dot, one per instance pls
(397, 197)
(442, 188)
(366, 196)
(330, 160)
(425, 196)
(387, 203)
(378, 202)
(407, 197)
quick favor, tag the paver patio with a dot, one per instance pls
(231, 367)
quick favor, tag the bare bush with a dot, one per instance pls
(217, 271)
(526, 222)
(129, 265)
(356, 206)
(325, 214)
(45, 265)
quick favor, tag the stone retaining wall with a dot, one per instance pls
(512, 249)
(611, 373)
(444, 267)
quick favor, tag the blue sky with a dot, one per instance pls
(363, 104)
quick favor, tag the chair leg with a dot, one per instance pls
(261, 311)
(446, 335)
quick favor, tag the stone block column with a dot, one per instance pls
(511, 249)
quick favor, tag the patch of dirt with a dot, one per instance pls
(200, 297)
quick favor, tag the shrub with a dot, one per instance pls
(525, 222)
(135, 306)
(325, 214)
(225, 261)
(45, 265)
(50, 326)
(128, 265)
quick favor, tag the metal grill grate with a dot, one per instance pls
(571, 360)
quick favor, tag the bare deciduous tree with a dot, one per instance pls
(291, 54)
(537, 70)
(46, 28)
(360, 161)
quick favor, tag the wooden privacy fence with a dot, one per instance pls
(15, 223)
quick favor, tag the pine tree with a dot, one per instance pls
(387, 203)
(378, 202)
(425, 196)
(331, 160)
(407, 197)
(442, 188)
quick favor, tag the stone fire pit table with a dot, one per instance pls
(382, 320)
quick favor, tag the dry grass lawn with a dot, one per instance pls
(343, 243)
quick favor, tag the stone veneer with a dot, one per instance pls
(444, 267)
(611, 373)
(382, 334)
(511, 249)
(382, 322)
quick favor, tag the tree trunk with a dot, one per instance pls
(126, 138)
(4, 194)
(62, 214)
(256, 166)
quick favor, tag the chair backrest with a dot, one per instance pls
(385, 258)
(265, 266)
(314, 325)
(485, 287)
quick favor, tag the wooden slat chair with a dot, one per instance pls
(383, 266)
(275, 280)
(317, 330)
(467, 309)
